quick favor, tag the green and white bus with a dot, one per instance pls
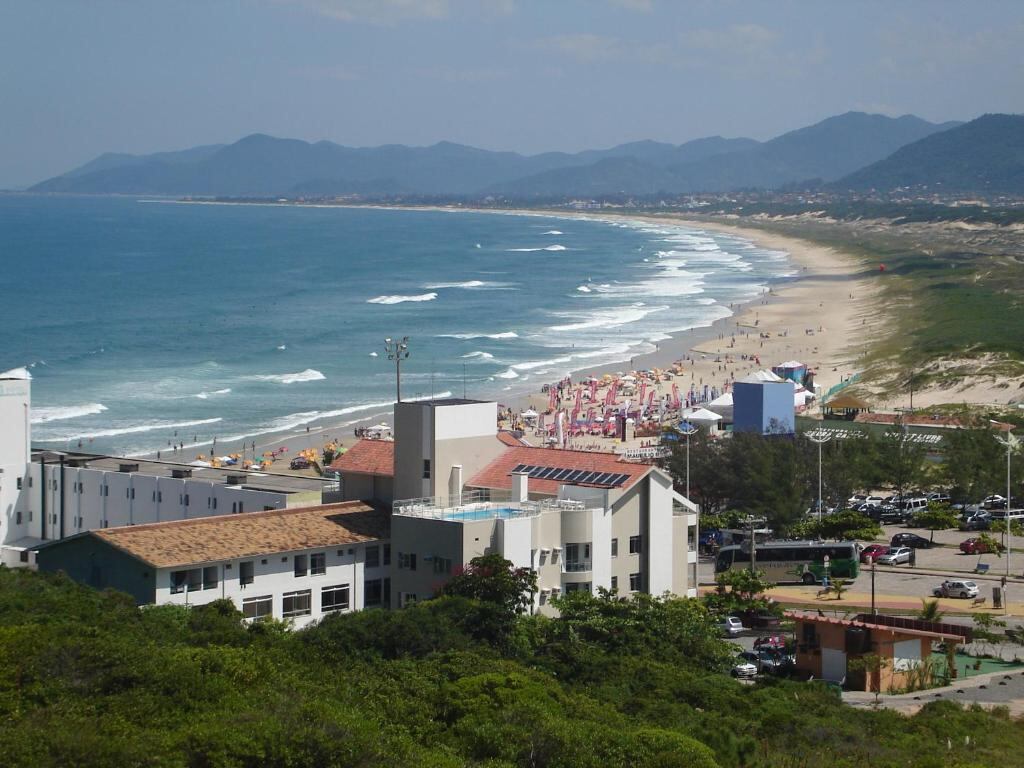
(794, 561)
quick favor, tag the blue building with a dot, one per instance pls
(763, 403)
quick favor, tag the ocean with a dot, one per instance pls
(150, 322)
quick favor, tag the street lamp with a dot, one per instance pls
(691, 431)
(1011, 442)
(397, 351)
(826, 436)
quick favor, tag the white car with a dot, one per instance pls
(874, 501)
(732, 626)
(743, 668)
(895, 556)
(953, 588)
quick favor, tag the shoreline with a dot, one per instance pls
(822, 274)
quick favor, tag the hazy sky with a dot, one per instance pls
(81, 77)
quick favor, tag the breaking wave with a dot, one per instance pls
(401, 299)
(59, 413)
(291, 378)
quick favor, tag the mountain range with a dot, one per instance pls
(854, 151)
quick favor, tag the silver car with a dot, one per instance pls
(896, 556)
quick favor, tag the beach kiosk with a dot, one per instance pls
(844, 407)
(792, 370)
(763, 402)
(703, 419)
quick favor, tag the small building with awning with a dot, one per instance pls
(844, 407)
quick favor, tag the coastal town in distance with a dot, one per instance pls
(336, 433)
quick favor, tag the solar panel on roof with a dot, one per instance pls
(602, 478)
(618, 479)
(561, 474)
(519, 468)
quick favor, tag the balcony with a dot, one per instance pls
(576, 566)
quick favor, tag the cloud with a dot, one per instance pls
(646, 6)
(582, 46)
(732, 39)
(375, 11)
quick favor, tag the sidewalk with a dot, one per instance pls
(855, 600)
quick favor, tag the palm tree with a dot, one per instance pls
(930, 610)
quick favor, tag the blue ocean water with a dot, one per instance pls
(147, 322)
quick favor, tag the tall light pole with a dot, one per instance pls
(397, 351)
(826, 436)
(691, 431)
(1011, 442)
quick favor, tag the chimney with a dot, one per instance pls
(455, 483)
(520, 489)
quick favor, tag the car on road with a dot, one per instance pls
(769, 661)
(911, 540)
(896, 556)
(300, 462)
(743, 668)
(873, 552)
(731, 626)
(955, 588)
(974, 546)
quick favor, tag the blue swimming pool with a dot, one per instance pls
(503, 513)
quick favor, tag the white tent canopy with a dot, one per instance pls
(701, 415)
(758, 377)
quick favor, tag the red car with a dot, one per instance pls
(873, 552)
(772, 642)
(973, 546)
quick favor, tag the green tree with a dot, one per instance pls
(975, 463)
(840, 526)
(503, 590)
(937, 517)
(740, 591)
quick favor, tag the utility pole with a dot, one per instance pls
(397, 351)
(1011, 442)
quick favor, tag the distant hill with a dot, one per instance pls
(265, 166)
(984, 155)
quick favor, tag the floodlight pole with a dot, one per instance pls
(820, 441)
(1011, 442)
(691, 431)
(397, 350)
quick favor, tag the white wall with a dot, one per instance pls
(274, 575)
(659, 542)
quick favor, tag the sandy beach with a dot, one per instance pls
(823, 316)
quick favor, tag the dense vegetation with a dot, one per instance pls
(88, 679)
(776, 477)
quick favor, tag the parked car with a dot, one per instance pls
(974, 546)
(300, 462)
(955, 588)
(896, 556)
(939, 498)
(911, 540)
(979, 521)
(768, 661)
(873, 552)
(731, 626)
(760, 619)
(874, 501)
(856, 500)
(994, 501)
(774, 642)
(886, 514)
(743, 668)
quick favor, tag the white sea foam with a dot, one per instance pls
(482, 285)
(502, 335)
(555, 247)
(282, 346)
(508, 374)
(151, 427)
(480, 354)
(373, 354)
(608, 317)
(583, 288)
(205, 395)
(401, 299)
(554, 232)
(291, 378)
(59, 413)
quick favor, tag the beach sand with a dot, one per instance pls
(824, 317)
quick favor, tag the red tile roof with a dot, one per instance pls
(801, 616)
(368, 457)
(497, 474)
(509, 439)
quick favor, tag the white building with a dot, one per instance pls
(47, 496)
(298, 564)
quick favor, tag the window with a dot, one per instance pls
(240, 504)
(19, 483)
(577, 557)
(186, 499)
(300, 565)
(373, 592)
(426, 469)
(442, 565)
(387, 554)
(334, 598)
(245, 572)
(178, 579)
(17, 517)
(387, 592)
(406, 599)
(195, 579)
(407, 561)
(581, 586)
(296, 603)
(215, 503)
(615, 547)
(318, 564)
(636, 582)
(210, 577)
(372, 557)
(258, 607)
(615, 583)
(635, 545)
